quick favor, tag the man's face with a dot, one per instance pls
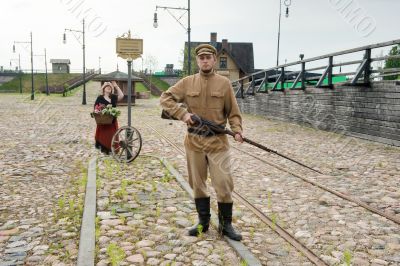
(206, 62)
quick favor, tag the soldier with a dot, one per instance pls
(209, 96)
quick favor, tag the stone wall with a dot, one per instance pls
(367, 112)
(170, 80)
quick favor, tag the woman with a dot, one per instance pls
(104, 133)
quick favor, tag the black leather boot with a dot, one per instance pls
(203, 209)
(225, 221)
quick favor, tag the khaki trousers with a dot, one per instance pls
(218, 163)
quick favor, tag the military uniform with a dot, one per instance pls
(210, 96)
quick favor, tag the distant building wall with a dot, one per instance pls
(368, 112)
(60, 68)
(231, 70)
(170, 80)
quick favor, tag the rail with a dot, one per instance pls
(283, 79)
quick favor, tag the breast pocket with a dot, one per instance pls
(193, 99)
(216, 100)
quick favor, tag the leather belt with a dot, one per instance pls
(203, 133)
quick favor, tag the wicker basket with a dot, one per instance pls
(103, 119)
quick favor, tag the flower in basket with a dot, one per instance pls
(102, 109)
(109, 110)
(98, 108)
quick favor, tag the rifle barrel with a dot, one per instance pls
(271, 151)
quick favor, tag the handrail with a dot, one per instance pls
(298, 79)
(344, 52)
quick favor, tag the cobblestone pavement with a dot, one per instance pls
(47, 144)
(44, 151)
(333, 228)
(143, 215)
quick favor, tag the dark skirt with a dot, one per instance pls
(104, 134)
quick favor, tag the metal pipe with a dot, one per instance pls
(20, 73)
(279, 31)
(84, 66)
(45, 64)
(189, 46)
(129, 90)
(32, 88)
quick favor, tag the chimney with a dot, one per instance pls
(213, 37)
(225, 44)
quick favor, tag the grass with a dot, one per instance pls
(139, 87)
(347, 257)
(39, 80)
(68, 213)
(115, 254)
(162, 85)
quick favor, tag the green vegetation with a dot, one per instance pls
(67, 214)
(139, 87)
(39, 80)
(200, 230)
(115, 254)
(393, 62)
(347, 257)
(193, 63)
(243, 263)
(162, 85)
(121, 193)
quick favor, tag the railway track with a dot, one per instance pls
(332, 191)
(311, 256)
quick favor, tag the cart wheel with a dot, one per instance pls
(126, 144)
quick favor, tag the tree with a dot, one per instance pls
(393, 62)
(150, 62)
(194, 67)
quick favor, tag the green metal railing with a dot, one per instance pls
(282, 79)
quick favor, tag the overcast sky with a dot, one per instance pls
(314, 27)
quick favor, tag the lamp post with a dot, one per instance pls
(155, 25)
(83, 49)
(32, 88)
(45, 65)
(19, 71)
(287, 4)
(99, 64)
(142, 64)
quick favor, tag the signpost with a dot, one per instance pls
(127, 139)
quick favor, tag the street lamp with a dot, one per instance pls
(32, 88)
(155, 25)
(83, 49)
(287, 4)
(45, 65)
(19, 71)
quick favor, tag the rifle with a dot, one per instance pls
(202, 124)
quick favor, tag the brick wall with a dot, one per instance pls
(368, 112)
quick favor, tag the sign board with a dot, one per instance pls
(129, 48)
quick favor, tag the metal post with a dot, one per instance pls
(189, 46)
(129, 90)
(32, 90)
(47, 81)
(279, 31)
(303, 75)
(20, 73)
(367, 72)
(84, 67)
(330, 71)
(155, 25)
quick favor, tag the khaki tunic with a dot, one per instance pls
(209, 96)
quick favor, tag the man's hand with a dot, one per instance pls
(239, 137)
(187, 118)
